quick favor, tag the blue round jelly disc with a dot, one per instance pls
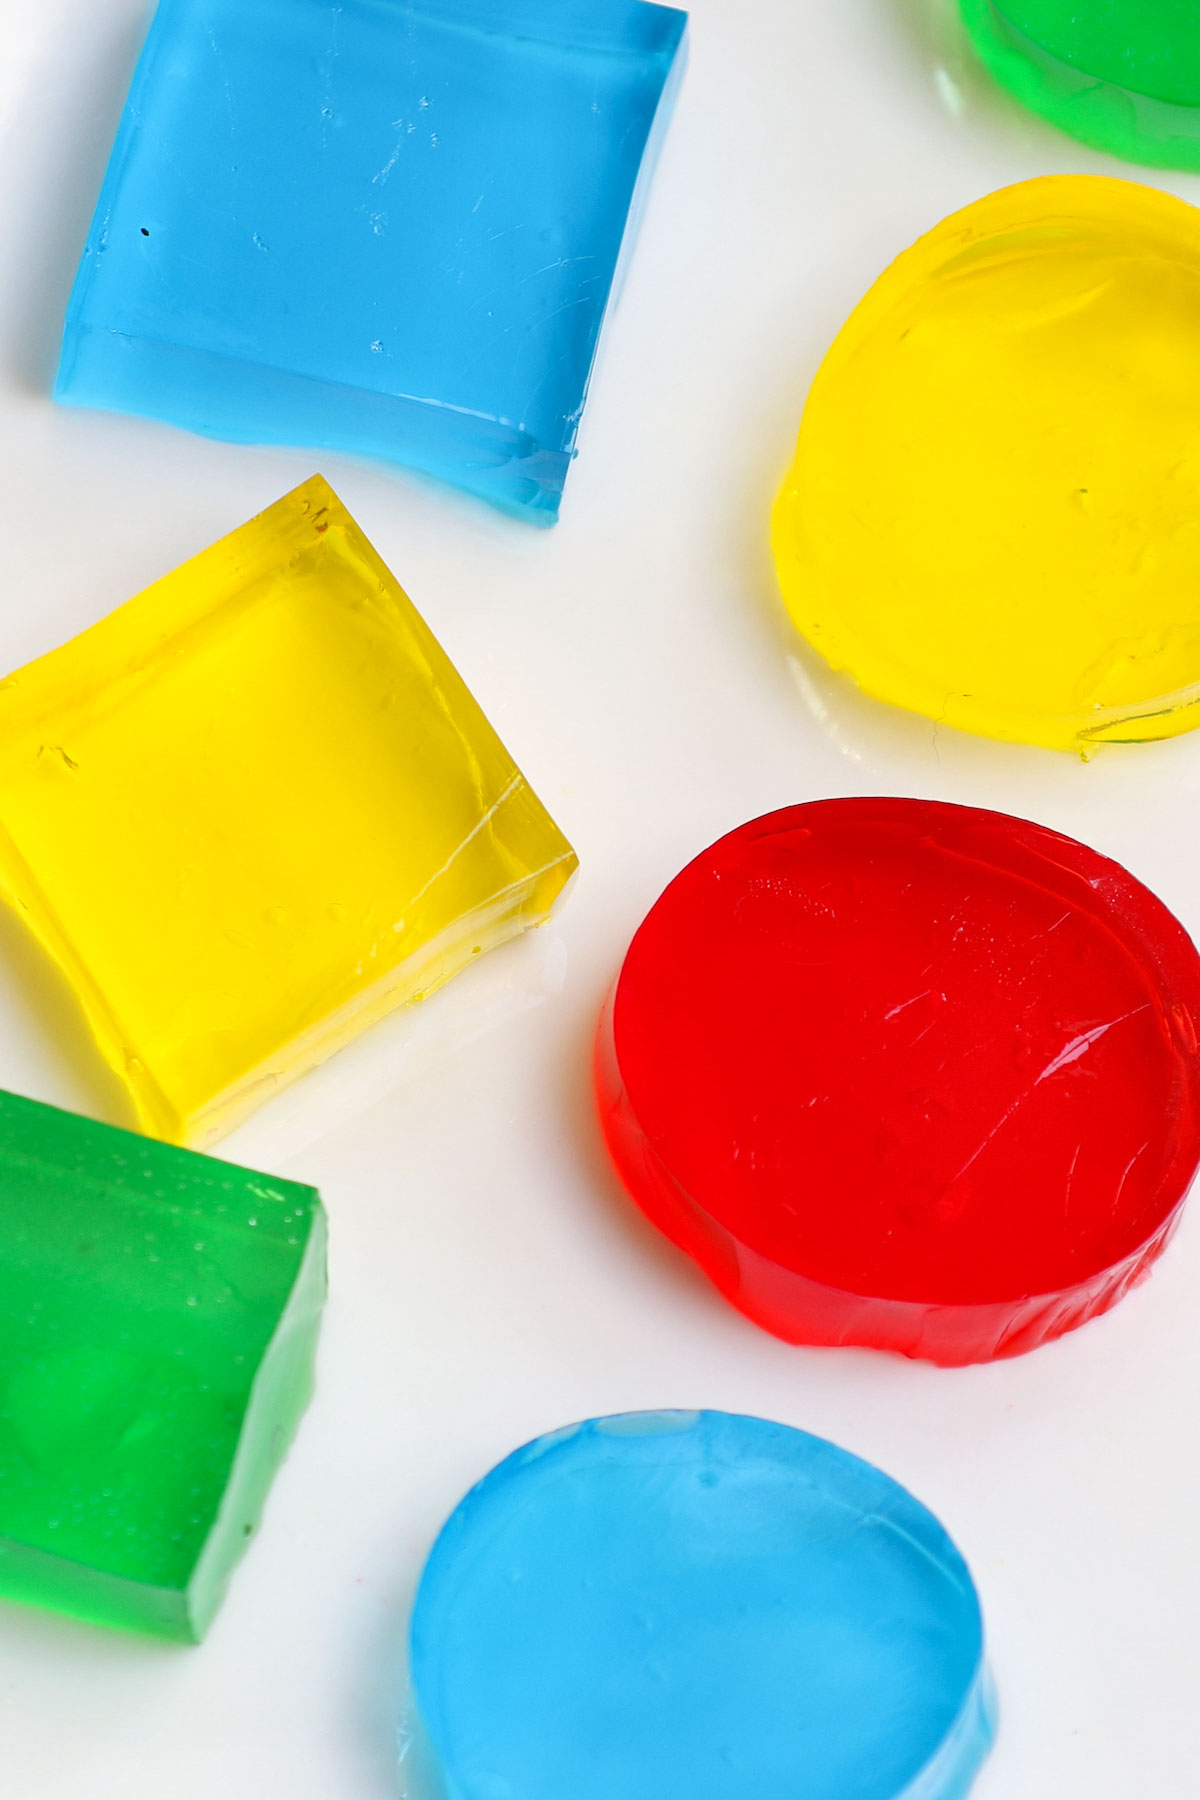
(697, 1606)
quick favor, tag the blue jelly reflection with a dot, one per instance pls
(701, 1605)
(381, 226)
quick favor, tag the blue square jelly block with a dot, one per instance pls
(389, 227)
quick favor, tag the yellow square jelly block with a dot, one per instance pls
(254, 809)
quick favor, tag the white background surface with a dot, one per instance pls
(488, 1281)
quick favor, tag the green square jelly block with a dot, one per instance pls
(158, 1318)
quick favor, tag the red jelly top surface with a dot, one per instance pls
(912, 1050)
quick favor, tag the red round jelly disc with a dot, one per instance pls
(908, 1075)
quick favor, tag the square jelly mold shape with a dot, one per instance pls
(158, 1319)
(375, 226)
(254, 809)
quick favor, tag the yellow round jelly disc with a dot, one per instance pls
(994, 512)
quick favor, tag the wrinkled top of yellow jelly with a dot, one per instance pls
(994, 512)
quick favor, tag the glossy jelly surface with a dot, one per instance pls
(990, 518)
(697, 1604)
(908, 1075)
(1123, 75)
(254, 809)
(374, 226)
(158, 1317)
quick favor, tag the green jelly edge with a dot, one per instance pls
(279, 1394)
(1136, 127)
(282, 1390)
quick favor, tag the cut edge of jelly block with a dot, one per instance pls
(279, 1394)
(507, 467)
(310, 510)
(680, 52)
(1157, 133)
(493, 460)
(283, 1386)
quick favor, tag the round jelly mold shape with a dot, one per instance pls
(697, 1604)
(990, 518)
(1123, 76)
(907, 1075)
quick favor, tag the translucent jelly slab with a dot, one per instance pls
(1123, 76)
(158, 1317)
(990, 518)
(254, 809)
(670, 1604)
(908, 1075)
(374, 226)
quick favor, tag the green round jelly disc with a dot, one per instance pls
(1123, 75)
